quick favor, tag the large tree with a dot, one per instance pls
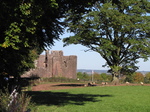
(31, 25)
(118, 31)
(27, 27)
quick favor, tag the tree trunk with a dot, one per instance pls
(115, 80)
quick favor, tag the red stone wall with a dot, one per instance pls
(56, 65)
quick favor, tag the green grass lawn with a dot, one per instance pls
(94, 99)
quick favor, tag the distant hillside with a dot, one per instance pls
(143, 72)
(89, 71)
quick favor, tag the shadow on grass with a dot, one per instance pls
(62, 98)
(71, 85)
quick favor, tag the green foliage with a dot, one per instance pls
(147, 75)
(96, 77)
(4, 101)
(57, 79)
(147, 78)
(129, 78)
(14, 63)
(106, 77)
(109, 78)
(21, 103)
(115, 68)
(28, 27)
(138, 77)
(101, 77)
(34, 22)
(83, 76)
(12, 36)
(135, 77)
(118, 31)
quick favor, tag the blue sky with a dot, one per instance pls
(90, 59)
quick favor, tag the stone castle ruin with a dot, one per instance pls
(54, 64)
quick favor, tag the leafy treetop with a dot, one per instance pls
(28, 27)
(118, 31)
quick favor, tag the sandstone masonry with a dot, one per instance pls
(54, 64)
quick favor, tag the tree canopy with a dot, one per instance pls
(27, 27)
(118, 31)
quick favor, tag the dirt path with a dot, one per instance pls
(56, 86)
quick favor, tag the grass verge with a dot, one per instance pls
(94, 99)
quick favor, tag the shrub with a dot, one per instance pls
(104, 76)
(14, 102)
(109, 78)
(96, 77)
(129, 78)
(138, 77)
(147, 78)
(4, 101)
(83, 76)
(58, 79)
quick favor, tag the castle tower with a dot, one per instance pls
(54, 64)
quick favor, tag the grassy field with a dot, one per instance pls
(94, 99)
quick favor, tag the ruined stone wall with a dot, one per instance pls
(41, 61)
(56, 65)
(69, 66)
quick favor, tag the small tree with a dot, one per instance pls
(138, 77)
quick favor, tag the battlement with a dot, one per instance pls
(57, 53)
